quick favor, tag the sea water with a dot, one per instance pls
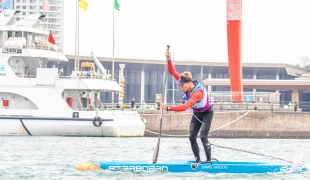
(33, 157)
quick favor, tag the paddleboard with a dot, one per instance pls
(179, 165)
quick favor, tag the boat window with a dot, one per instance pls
(11, 34)
(86, 69)
(36, 39)
(18, 34)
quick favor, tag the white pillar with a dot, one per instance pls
(165, 85)
(277, 95)
(209, 87)
(173, 89)
(142, 86)
(4, 37)
(295, 96)
(201, 74)
(254, 90)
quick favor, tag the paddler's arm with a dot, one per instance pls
(171, 68)
(197, 95)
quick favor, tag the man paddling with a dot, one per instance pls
(196, 97)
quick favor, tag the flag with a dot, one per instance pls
(6, 4)
(83, 5)
(51, 38)
(116, 5)
(45, 5)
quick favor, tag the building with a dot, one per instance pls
(273, 82)
(53, 17)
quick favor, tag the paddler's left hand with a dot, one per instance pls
(163, 106)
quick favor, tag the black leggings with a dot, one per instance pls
(206, 118)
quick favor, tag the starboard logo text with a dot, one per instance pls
(138, 168)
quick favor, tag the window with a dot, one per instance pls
(247, 76)
(52, 14)
(52, 26)
(52, 2)
(24, 7)
(53, 8)
(266, 76)
(17, 7)
(219, 76)
(52, 20)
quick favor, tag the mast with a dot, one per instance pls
(76, 36)
(113, 57)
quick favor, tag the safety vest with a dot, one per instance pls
(201, 104)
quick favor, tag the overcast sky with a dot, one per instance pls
(273, 31)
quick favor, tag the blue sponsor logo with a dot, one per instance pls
(2, 67)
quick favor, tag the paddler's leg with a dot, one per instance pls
(193, 132)
(207, 119)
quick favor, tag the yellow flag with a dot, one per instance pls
(83, 5)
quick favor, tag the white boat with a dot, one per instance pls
(37, 100)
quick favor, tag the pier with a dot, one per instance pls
(234, 124)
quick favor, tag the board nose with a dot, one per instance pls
(87, 166)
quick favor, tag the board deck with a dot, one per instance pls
(179, 165)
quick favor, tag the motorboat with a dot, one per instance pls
(39, 99)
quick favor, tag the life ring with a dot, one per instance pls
(97, 121)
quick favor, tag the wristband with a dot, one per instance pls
(168, 108)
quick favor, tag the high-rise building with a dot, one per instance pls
(54, 14)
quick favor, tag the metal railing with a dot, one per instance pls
(247, 96)
(262, 106)
(282, 106)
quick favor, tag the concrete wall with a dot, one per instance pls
(256, 124)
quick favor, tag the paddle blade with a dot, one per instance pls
(156, 152)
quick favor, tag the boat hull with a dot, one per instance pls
(40, 126)
(191, 166)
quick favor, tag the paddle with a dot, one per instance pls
(155, 155)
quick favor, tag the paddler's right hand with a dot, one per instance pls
(168, 55)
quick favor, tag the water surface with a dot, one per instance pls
(32, 157)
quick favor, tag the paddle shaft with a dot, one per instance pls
(163, 98)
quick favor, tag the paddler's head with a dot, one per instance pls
(185, 81)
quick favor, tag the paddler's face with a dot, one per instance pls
(185, 86)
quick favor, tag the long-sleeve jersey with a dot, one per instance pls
(196, 96)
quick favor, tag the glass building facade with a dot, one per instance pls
(144, 80)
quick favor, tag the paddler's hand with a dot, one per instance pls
(168, 55)
(164, 106)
